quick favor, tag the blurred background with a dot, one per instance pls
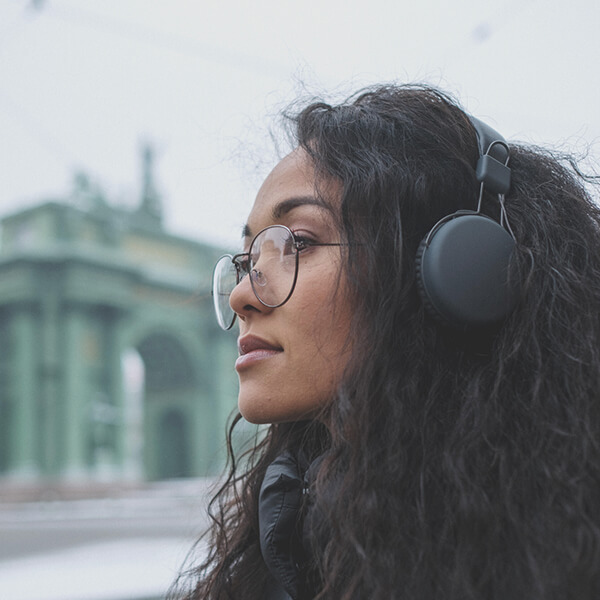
(133, 137)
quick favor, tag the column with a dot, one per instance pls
(75, 401)
(25, 420)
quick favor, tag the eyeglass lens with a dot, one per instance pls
(272, 263)
(225, 278)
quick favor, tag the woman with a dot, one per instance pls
(411, 453)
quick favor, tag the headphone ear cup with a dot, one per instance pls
(430, 308)
(463, 271)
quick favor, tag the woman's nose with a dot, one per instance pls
(243, 301)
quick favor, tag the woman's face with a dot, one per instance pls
(292, 357)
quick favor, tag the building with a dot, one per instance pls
(112, 367)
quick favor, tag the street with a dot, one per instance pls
(130, 547)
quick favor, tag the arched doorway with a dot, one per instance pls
(168, 407)
(174, 457)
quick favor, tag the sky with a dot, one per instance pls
(85, 83)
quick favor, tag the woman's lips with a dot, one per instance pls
(253, 349)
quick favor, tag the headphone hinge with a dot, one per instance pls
(493, 174)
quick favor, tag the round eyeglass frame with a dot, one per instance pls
(243, 267)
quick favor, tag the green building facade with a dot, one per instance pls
(112, 367)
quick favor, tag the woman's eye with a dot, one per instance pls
(302, 242)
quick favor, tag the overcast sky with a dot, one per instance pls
(84, 82)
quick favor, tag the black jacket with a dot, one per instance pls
(284, 502)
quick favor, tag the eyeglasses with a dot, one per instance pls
(272, 264)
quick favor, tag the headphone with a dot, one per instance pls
(462, 264)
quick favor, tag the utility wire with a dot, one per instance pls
(134, 32)
(36, 129)
(16, 111)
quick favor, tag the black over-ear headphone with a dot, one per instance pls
(462, 263)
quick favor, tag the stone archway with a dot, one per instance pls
(169, 390)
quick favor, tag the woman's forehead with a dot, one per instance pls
(292, 175)
(290, 185)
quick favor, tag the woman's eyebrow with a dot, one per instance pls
(285, 206)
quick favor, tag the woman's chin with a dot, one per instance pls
(256, 408)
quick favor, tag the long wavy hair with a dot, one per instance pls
(456, 465)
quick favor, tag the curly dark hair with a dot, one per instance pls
(456, 466)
